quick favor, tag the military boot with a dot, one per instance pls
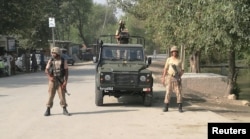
(165, 109)
(65, 111)
(180, 107)
(47, 113)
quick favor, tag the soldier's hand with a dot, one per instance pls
(163, 81)
(64, 85)
(51, 78)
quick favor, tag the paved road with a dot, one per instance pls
(22, 105)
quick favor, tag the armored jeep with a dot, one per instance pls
(121, 69)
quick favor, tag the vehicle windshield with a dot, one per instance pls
(122, 53)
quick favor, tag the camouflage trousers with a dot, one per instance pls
(53, 87)
(172, 86)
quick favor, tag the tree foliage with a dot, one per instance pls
(76, 20)
(102, 20)
(200, 25)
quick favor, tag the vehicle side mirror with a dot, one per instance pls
(149, 61)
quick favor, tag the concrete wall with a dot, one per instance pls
(205, 83)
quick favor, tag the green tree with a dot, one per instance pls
(77, 11)
(200, 25)
(102, 20)
(27, 21)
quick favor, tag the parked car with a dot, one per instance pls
(87, 54)
(69, 59)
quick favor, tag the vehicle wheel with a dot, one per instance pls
(117, 96)
(72, 64)
(98, 97)
(148, 98)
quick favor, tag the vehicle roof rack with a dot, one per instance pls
(113, 39)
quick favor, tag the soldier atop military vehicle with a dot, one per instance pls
(122, 34)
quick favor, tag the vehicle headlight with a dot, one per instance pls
(107, 77)
(143, 78)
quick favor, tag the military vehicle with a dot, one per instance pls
(121, 69)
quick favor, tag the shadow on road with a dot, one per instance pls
(82, 63)
(101, 112)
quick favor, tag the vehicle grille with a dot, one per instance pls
(126, 79)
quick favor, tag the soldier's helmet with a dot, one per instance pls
(56, 50)
(174, 48)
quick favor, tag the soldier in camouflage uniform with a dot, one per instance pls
(171, 78)
(57, 72)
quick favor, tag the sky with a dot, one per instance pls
(119, 12)
(100, 1)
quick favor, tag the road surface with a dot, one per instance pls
(23, 103)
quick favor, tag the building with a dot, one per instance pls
(7, 44)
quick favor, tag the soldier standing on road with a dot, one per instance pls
(57, 72)
(171, 77)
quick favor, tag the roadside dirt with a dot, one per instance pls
(232, 109)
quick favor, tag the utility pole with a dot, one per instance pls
(52, 25)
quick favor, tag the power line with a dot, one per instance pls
(105, 18)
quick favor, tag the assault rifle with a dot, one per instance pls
(177, 74)
(63, 89)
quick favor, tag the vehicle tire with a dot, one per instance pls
(117, 96)
(98, 97)
(148, 98)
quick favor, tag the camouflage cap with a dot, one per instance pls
(56, 50)
(174, 48)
